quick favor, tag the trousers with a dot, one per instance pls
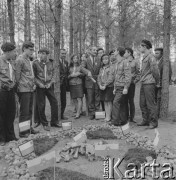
(7, 115)
(93, 96)
(41, 94)
(147, 102)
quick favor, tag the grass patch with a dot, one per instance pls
(63, 174)
(103, 133)
(138, 156)
(42, 145)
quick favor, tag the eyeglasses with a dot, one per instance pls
(143, 45)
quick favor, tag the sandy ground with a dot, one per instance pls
(166, 128)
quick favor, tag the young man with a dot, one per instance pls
(25, 84)
(159, 59)
(64, 72)
(91, 68)
(135, 72)
(149, 80)
(121, 76)
(45, 74)
(7, 93)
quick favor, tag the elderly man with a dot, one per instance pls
(150, 78)
(91, 68)
(7, 93)
(45, 74)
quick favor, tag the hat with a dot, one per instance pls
(146, 43)
(8, 46)
(44, 49)
(27, 44)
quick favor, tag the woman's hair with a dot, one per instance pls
(83, 54)
(71, 60)
(102, 58)
(130, 50)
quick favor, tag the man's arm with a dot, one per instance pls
(18, 67)
(137, 71)
(170, 71)
(127, 72)
(36, 80)
(154, 69)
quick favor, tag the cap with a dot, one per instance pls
(8, 46)
(146, 43)
(44, 49)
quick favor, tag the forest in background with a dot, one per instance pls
(78, 24)
(103, 23)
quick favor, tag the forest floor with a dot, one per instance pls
(166, 128)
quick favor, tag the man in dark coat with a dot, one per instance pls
(91, 68)
(64, 71)
(7, 93)
(159, 58)
(44, 76)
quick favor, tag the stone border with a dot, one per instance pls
(18, 168)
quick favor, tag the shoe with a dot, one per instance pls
(131, 120)
(2, 143)
(83, 113)
(46, 128)
(56, 125)
(64, 118)
(36, 125)
(33, 131)
(153, 125)
(77, 117)
(92, 117)
(143, 123)
(24, 135)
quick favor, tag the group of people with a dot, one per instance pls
(106, 79)
(109, 80)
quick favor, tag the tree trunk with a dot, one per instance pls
(10, 6)
(58, 11)
(107, 26)
(27, 21)
(71, 29)
(166, 59)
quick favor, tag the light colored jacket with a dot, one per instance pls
(149, 71)
(24, 74)
(120, 74)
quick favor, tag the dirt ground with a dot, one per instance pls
(166, 128)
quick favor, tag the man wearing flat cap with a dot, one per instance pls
(150, 78)
(45, 75)
(7, 93)
(25, 84)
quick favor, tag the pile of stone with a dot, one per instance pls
(18, 170)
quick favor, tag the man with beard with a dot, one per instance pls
(7, 93)
(159, 59)
(25, 84)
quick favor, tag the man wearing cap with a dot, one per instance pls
(7, 93)
(45, 74)
(25, 84)
(150, 78)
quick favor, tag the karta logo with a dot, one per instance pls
(111, 170)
